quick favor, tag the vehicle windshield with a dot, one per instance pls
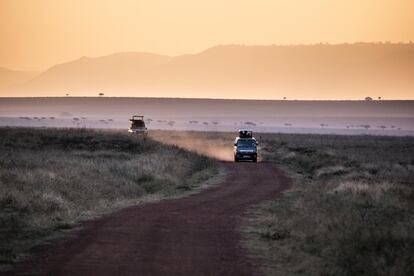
(137, 124)
(246, 143)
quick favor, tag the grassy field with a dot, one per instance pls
(50, 179)
(350, 210)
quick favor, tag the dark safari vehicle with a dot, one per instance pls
(138, 125)
(245, 146)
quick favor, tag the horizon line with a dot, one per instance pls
(223, 99)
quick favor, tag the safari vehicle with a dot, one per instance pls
(138, 125)
(245, 146)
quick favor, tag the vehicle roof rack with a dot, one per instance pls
(245, 129)
(137, 118)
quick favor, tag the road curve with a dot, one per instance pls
(196, 235)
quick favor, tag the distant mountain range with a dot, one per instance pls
(345, 71)
(10, 78)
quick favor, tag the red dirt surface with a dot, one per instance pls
(196, 235)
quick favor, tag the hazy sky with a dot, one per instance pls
(36, 34)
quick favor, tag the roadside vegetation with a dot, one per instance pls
(350, 210)
(50, 179)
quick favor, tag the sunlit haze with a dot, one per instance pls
(36, 35)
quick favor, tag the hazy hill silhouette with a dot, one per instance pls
(9, 78)
(298, 72)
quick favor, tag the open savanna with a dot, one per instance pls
(349, 210)
(51, 179)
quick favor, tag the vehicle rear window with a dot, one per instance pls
(246, 143)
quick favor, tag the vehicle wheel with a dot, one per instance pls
(255, 160)
(235, 159)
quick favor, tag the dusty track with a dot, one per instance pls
(196, 235)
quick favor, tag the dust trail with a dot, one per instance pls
(205, 143)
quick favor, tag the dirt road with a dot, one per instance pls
(196, 235)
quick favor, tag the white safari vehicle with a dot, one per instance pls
(138, 125)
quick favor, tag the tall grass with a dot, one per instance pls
(52, 178)
(350, 210)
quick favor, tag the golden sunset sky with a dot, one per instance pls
(36, 34)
